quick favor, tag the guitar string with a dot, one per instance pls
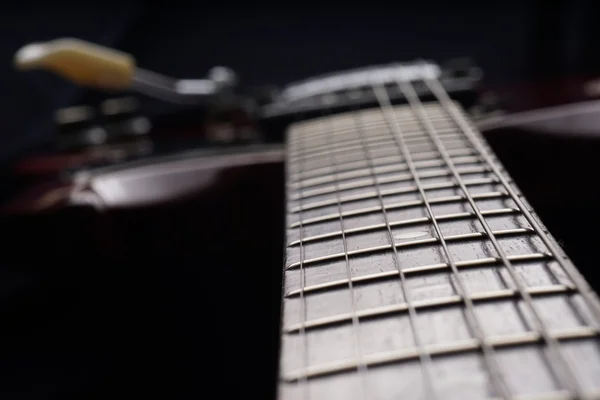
(587, 293)
(563, 372)
(424, 357)
(362, 368)
(302, 382)
(473, 323)
(422, 354)
(553, 346)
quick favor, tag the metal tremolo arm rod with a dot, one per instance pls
(90, 65)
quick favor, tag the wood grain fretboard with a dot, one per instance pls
(416, 270)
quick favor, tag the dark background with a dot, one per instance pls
(514, 41)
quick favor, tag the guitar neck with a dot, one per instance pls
(416, 269)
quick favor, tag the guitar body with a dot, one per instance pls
(124, 293)
(149, 272)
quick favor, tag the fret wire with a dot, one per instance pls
(456, 347)
(424, 357)
(411, 134)
(303, 382)
(412, 221)
(584, 288)
(361, 366)
(374, 142)
(298, 185)
(487, 349)
(377, 136)
(406, 204)
(566, 378)
(377, 143)
(425, 156)
(351, 144)
(389, 192)
(343, 145)
(421, 148)
(343, 132)
(437, 303)
(480, 262)
(416, 242)
(318, 133)
(367, 183)
(326, 179)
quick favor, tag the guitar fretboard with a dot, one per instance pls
(415, 269)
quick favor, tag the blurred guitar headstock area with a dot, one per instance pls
(276, 43)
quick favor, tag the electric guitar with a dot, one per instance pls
(413, 265)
